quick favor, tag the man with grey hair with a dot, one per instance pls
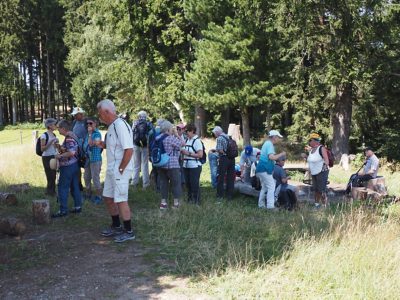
(141, 129)
(119, 148)
(226, 165)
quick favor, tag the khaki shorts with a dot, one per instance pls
(116, 185)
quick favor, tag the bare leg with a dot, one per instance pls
(124, 211)
(112, 208)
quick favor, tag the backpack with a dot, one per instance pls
(232, 148)
(140, 133)
(287, 199)
(331, 156)
(81, 155)
(203, 159)
(159, 157)
(38, 144)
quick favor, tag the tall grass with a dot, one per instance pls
(234, 250)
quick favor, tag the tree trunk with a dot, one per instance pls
(14, 110)
(200, 120)
(31, 90)
(1, 111)
(225, 117)
(180, 111)
(50, 105)
(244, 111)
(341, 120)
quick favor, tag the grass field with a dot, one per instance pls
(232, 250)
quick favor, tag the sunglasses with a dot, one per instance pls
(89, 123)
(178, 128)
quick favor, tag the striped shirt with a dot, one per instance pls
(71, 146)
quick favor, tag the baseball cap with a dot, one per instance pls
(248, 150)
(282, 158)
(275, 133)
(315, 136)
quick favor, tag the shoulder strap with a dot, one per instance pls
(47, 137)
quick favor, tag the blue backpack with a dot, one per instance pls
(158, 156)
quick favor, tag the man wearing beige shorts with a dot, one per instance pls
(119, 146)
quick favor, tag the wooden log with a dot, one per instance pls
(41, 211)
(12, 226)
(8, 198)
(359, 193)
(19, 188)
(374, 196)
(378, 185)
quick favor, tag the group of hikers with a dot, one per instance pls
(176, 154)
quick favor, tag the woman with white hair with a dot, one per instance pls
(170, 173)
(47, 146)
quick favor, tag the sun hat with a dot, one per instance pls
(275, 133)
(77, 110)
(49, 121)
(248, 150)
(53, 164)
(181, 126)
(315, 136)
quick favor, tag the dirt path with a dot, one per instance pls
(90, 267)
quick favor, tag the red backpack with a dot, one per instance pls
(331, 156)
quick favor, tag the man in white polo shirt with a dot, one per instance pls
(119, 146)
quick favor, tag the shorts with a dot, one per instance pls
(116, 185)
(320, 181)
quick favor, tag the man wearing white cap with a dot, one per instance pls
(78, 125)
(265, 169)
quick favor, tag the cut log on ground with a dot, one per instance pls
(12, 226)
(41, 211)
(8, 198)
(19, 188)
(359, 193)
(378, 185)
(374, 196)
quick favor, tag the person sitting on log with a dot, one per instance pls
(370, 170)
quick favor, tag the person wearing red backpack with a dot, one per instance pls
(318, 162)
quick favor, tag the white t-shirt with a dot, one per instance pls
(248, 160)
(52, 149)
(191, 162)
(118, 138)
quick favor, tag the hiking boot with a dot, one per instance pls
(59, 214)
(76, 210)
(126, 236)
(112, 231)
(163, 206)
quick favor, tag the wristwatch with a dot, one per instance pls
(121, 170)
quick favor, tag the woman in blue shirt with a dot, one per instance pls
(93, 164)
(265, 169)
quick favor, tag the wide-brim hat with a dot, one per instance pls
(77, 110)
(53, 164)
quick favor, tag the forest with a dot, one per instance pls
(329, 66)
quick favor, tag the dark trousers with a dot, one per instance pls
(167, 177)
(50, 175)
(360, 180)
(192, 180)
(226, 168)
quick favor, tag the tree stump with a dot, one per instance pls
(359, 193)
(378, 185)
(8, 199)
(234, 132)
(41, 211)
(12, 226)
(374, 196)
